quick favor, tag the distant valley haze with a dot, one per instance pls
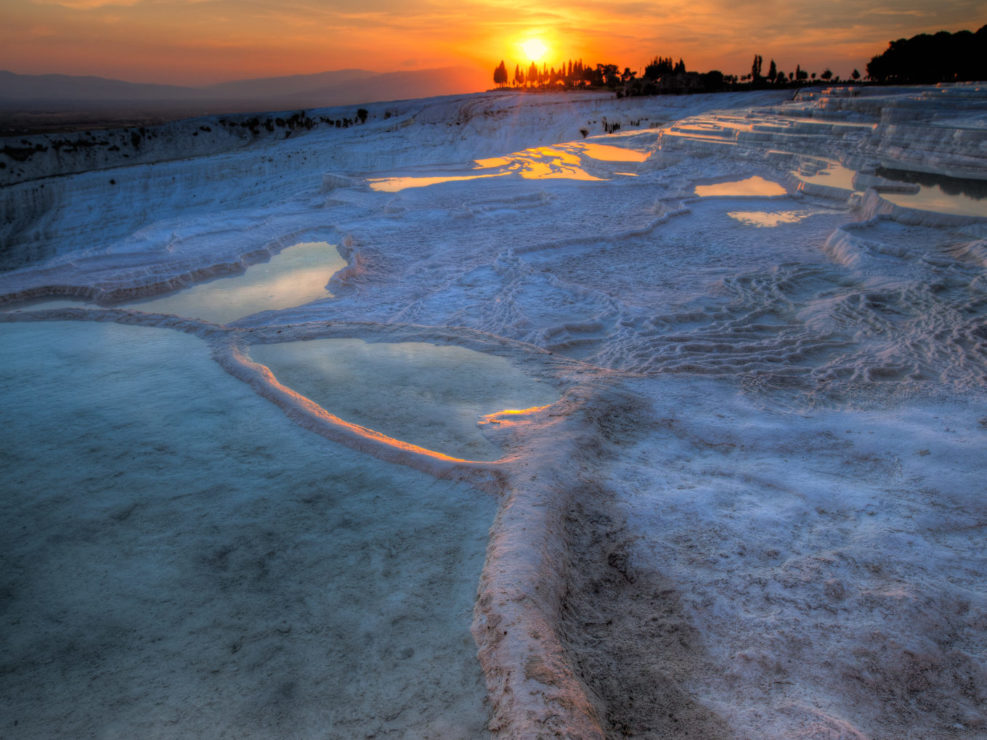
(194, 43)
(56, 101)
(79, 63)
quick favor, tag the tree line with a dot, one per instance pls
(661, 75)
(927, 59)
(943, 57)
(570, 74)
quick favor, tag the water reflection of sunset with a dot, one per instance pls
(508, 417)
(562, 162)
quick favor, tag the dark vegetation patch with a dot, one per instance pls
(950, 185)
(18, 153)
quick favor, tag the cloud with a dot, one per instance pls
(96, 4)
(309, 35)
(87, 4)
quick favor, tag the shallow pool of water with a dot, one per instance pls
(832, 174)
(428, 395)
(181, 560)
(397, 184)
(609, 153)
(755, 185)
(934, 198)
(562, 162)
(294, 276)
(768, 219)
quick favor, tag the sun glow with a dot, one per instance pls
(534, 49)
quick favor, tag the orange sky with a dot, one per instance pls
(202, 41)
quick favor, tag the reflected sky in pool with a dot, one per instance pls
(295, 276)
(428, 395)
(755, 185)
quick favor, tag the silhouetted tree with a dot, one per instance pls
(961, 56)
(500, 74)
(942, 57)
(606, 74)
(756, 68)
(713, 81)
(658, 67)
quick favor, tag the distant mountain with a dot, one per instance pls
(284, 86)
(424, 83)
(55, 102)
(56, 92)
(70, 88)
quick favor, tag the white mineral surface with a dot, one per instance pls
(677, 404)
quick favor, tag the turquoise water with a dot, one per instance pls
(428, 395)
(294, 276)
(181, 560)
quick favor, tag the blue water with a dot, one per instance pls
(181, 560)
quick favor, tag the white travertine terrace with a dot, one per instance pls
(754, 505)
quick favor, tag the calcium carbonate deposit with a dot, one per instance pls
(547, 415)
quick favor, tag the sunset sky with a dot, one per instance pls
(203, 41)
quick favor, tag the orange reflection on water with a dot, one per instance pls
(765, 219)
(496, 416)
(396, 184)
(608, 153)
(296, 275)
(934, 198)
(561, 162)
(755, 185)
(313, 409)
(541, 163)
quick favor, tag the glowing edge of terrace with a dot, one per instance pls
(314, 417)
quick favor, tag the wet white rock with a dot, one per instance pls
(755, 508)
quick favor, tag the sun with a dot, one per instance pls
(534, 49)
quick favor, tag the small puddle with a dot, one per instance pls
(608, 153)
(832, 174)
(934, 198)
(293, 277)
(542, 163)
(424, 394)
(397, 184)
(767, 219)
(755, 185)
(561, 162)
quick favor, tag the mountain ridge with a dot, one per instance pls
(58, 101)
